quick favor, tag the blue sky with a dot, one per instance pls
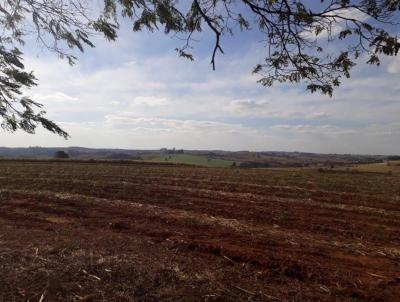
(137, 93)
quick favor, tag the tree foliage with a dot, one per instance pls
(316, 43)
(61, 154)
(297, 34)
(55, 24)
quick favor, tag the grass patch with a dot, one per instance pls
(390, 167)
(194, 160)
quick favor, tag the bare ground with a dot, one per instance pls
(109, 232)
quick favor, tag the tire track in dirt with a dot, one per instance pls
(227, 203)
(184, 222)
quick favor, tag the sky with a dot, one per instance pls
(136, 93)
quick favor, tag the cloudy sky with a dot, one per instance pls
(137, 93)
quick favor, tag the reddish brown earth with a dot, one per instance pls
(110, 232)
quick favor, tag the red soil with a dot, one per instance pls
(103, 232)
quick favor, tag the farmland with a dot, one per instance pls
(194, 160)
(72, 231)
(384, 167)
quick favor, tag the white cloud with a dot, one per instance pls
(367, 132)
(349, 13)
(149, 101)
(127, 119)
(246, 104)
(319, 115)
(321, 129)
(58, 97)
(247, 107)
(338, 26)
(394, 65)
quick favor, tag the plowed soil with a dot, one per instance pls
(149, 232)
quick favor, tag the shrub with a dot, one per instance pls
(61, 154)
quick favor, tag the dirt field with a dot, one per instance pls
(147, 232)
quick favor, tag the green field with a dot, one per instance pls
(194, 160)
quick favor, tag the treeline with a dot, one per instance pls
(172, 151)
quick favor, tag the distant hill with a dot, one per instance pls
(201, 157)
(73, 152)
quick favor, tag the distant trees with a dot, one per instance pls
(172, 151)
(254, 164)
(123, 156)
(60, 154)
